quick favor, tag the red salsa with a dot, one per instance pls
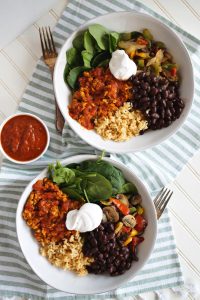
(23, 138)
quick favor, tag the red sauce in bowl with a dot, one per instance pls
(23, 138)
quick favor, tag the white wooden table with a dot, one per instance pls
(17, 61)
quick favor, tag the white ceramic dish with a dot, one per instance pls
(67, 281)
(126, 22)
(36, 158)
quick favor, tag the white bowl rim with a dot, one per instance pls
(34, 159)
(154, 216)
(172, 132)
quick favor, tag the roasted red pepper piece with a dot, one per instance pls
(173, 71)
(137, 240)
(126, 229)
(142, 41)
(121, 206)
(141, 223)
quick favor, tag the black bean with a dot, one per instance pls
(155, 116)
(145, 85)
(154, 91)
(153, 110)
(164, 102)
(93, 242)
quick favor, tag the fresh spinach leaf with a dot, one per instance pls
(104, 63)
(74, 74)
(100, 57)
(97, 48)
(89, 42)
(66, 72)
(72, 193)
(86, 58)
(114, 175)
(113, 38)
(78, 42)
(99, 33)
(73, 57)
(97, 187)
(72, 166)
(128, 188)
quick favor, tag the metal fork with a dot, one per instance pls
(49, 56)
(162, 200)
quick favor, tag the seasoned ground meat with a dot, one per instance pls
(45, 212)
(99, 93)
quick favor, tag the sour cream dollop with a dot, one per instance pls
(87, 218)
(121, 66)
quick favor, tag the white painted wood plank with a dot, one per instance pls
(30, 38)
(2, 117)
(21, 57)
(182, 15)
(187, 245)
(193, 6)
(190, 277)
(11, 78)
(7, 104)
(58, 8)
(47, 20)
(190, 185)
(152, 4)
(182, 209)
(195, 162)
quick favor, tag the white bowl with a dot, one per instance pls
(67, 281)
(34, 159)
(126, 22)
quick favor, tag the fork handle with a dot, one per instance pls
(59, 120)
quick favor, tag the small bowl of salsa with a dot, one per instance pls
(24, 138)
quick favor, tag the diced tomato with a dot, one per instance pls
(141, 223)
(126, 229)
(173, 71)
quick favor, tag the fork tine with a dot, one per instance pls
(42, 44)
(45, 40)
(166, 201)
(158, 196)
(162, 198)
(52, 41)
(48, 40)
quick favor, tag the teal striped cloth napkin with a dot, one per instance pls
(156, 167)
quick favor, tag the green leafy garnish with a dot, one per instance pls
(90, 180)
(113, 41)
(72, 57)
(86, 58)
(73, 75)
(89, 42)
(99, 34)
(60, 174)
(78, 42)
(128, 188)
(97, 187)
